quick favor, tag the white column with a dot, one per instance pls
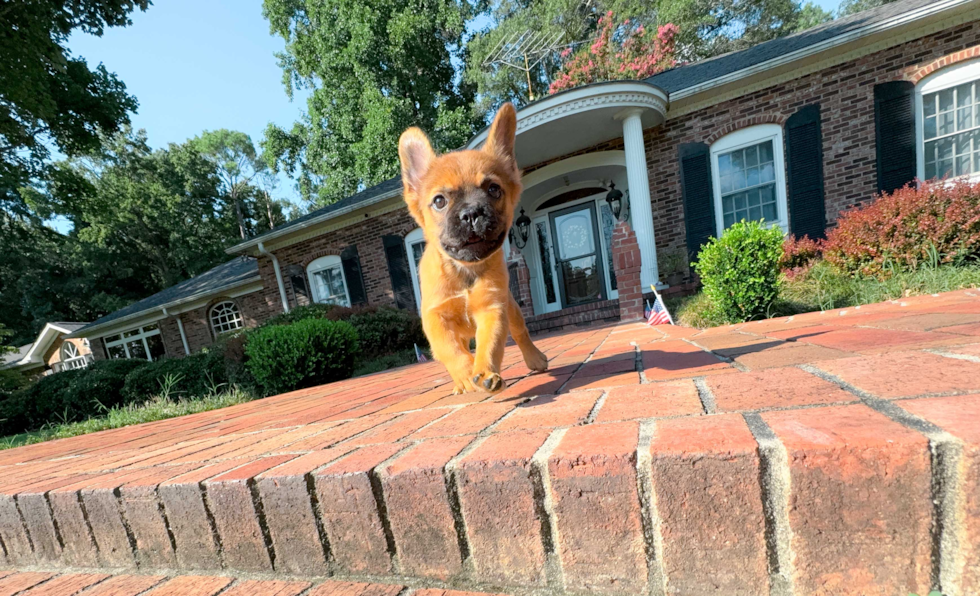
(180, 327)
(639, 194)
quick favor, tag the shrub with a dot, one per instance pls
(937, 222)
(740, 270)
(67, 396)
(311, 352)
(301, 313)
(799, 254)
(196, 375)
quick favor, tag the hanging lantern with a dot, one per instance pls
(523, 225)
(615, 200)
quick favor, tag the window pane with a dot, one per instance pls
(964, 95)
(752, 177)
(131, 333)
(544, 248)
(945, 100)
(137, 349)
(752, 156)
(769, 211)
(157, 350)
(729, 220)
(964, 118)
(117, 351)
(330, 286)
(608, 223)
(149, 328)
(753, 170)
(929, 104)
(112, 338)
(417, 249)
(765, 150)
(946, 123)
(929, 128)
(724, 164)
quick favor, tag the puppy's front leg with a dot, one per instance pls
(451, 346)
(491, 336)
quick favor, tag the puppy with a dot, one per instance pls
(464, 201)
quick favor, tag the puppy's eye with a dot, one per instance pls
(495, 191)
(439, 202)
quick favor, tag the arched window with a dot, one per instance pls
(327, 279)
(69, 351)
(226, 317)
(947, 122)
(748, 175)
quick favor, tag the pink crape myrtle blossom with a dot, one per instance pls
(620, 51)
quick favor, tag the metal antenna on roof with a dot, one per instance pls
(523, 51)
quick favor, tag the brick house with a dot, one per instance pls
(51, 352)
(792, 131)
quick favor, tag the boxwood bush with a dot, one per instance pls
(740, 270)
(305, 353)
(196, 375)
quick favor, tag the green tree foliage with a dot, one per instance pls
(375, 67)
(49, 98)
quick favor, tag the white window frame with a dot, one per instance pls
(951, 76)
(71, 360)
(320, 264)
(411, 239)
(142, 334)
(746, 137)
(232, 324)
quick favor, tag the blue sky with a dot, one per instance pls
(196, 65)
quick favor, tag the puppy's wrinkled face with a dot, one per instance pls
(464, 200)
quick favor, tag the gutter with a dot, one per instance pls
(275, 265)
(88, 330)
(284, 231)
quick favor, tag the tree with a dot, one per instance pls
(375, 67)
(621, 51)
(49, 98)
(849, 7)
(238, 166)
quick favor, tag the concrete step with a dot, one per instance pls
(831, 453)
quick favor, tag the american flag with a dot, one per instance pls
(658, 315)
(419, 355)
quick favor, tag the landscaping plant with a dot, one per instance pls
(306, 353)
(740, 271)
(196, 375)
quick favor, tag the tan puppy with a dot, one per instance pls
(464, 201)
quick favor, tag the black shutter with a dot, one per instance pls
(804, 169)
(352, 274)
(401, 276)
(699, 202)
(895, 134)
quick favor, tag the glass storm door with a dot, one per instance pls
(577, 255)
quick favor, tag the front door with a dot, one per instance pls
(578, 257)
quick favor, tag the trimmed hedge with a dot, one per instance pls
(305, 353)
(740, 270)
(197, 374)
(67, 396)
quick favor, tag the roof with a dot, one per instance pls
(67, 327)
(684, 77)
(12, 358)
(233, 273)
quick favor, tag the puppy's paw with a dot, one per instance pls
(536, 361)
(488, 381)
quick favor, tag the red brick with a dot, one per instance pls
(960, 416)
(236, 520)
(65, 585)
(773, 388)
(677, 359)
(585, 383)
(191, 585)
(334, 588)
(419, 511)
(788, 354)
(266, 588)
(597, 508)
(706, 478)
(465, 421)
(397, 429)
(13, 584)
(654, 400)
(869, 340)
(864, 480)
(350, 513)
(906, 374)
(124, 585)
(496, 493)
(550, 411)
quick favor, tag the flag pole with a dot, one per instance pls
(656, 296)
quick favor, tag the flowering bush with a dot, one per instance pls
(623, 51)
(937, 223)
(799, 254)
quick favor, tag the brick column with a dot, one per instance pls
(520, 282)
(626, 259)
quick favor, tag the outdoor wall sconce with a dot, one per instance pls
(615, 200)
(523, 225)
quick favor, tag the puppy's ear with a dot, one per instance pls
(416, 155)
(500, 140)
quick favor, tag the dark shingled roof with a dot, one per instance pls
(9, 358)
(683, 77)
(234, 272)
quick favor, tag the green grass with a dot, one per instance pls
(158, 408)
(825, 288)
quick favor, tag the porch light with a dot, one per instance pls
(523, 225)
(615, 199)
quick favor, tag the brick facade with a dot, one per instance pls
(626, 260)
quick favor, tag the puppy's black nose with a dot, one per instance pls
(474, 217)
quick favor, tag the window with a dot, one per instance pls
(226, 317)
(71, 357)
(327, 279)
(415, 246)
(142, 342)
(948, 122)
(748, 177)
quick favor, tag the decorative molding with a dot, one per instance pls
(714, 97)
(947, 60)
(745, 123)
(637, 100)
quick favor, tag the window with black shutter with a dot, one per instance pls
(398, 269)
(895, 134)
(699, 209)
(353, 275)
(804, 168)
